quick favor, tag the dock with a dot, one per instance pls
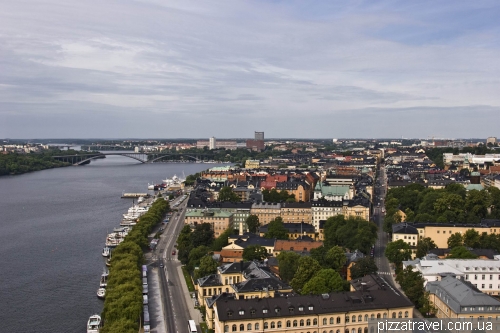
(134, 195)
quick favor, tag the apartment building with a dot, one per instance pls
(218, 218)
(322, 210)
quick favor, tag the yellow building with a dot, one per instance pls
(296, 212)
(220, 220)
(356, 208)
(252, 164)
(336, 312)
(455, 299)
(266, 211)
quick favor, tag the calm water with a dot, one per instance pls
(52, 229)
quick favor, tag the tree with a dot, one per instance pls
(308, 267)
(412, 284)
(276, 229)
(288, 263)
(319, 254)
(335, 258)
(195, 256)
(202, 235)
(324, 281)
(427, 307)
(363, 267)
(207, 266)
(455, 240)
(471, 238)
(398, 251)
(424, 246)
(222, 240)
(461, 252)
(254, 252)
(253, 223)
(226, 194)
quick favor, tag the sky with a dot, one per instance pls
(195, 69)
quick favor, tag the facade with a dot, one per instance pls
(240, 211)
(266, 211)
(356, 208)
(252, 164)
(300, 189)
(322, 210)
(301, 245)
(483, 274)
(219, 219)
(333, 193)
(296, 212)
(457, 299)
(212, 143)
(294, 230)
(287, 312)
(259, 136)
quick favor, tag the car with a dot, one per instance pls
(173, 252)
(161, 265)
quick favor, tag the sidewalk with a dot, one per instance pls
(193, 313)
(416, 313)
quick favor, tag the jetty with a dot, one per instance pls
(134, 195)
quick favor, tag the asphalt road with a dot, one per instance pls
(380, 259)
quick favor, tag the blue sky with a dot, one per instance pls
(318, 69)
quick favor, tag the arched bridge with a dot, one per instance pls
(80, 159)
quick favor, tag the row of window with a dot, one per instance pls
(338, 320)
(234, 328)
(483, 277)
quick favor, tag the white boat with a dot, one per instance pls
(101, 293)
(106, 251)
(94, 324)
(104, 280)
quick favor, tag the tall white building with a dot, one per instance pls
(212, 143)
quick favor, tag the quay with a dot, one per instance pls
(135, 195)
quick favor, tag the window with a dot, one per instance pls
(475, 276)
(360, 318)
(346, 319)
(301, 322)
(242, 327)
(482, 285)
(366, 317)
(482, 277)
(324, 321)
(249, 327)
(288, 323)
(294, 323)
(372, 316)
(266, 326)
(378, 315)
(310, 306)
(338, 320)
(252, 311)
(385, 315)
(273, 325)
(241, 312)
(394, 315)
(277, 310)
(406, 314)
(226, 328)
(315, 321)
(279, 324)
(360, 330)
(233, 329)
(353, 319)
(491, 277)
(308, 322)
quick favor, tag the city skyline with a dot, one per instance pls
(316, 69)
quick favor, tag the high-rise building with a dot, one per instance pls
(212, 143)
(259, 136)
(491, 140)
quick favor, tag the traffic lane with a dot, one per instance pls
(167, 303)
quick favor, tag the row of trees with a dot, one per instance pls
(412, 284)
(351, 233)
(275, 196)
(453, 203)
(123, 303)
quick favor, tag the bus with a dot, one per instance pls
(192, 326)
(147, 326)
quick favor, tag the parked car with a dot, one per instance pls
(173, 252)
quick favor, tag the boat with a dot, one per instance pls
(101, 293)
(104, 280)
(106, 251)
(94, 324)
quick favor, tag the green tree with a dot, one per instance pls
(276, 229)
(335, 258)
(254, 252)
(455, 240)
(424, 246)
(324, 281)
(207, 266)
(363, 267)
(461, 252)
(412, 284)
(308, 267)
(319, 254)
(226, 194)
(288, 263)
(195, 256)
(398, 251)
(202, 235)
(222, 240)
(253, 223)
(472, 238)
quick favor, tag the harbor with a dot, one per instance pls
(55, 243)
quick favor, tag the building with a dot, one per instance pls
(491, 140)
(302, 245)
(322, 210)
(294, 230)
(454, 298)
(252, 164)
(259, 136)
(299, 188)
(217, 144)
(483, 274)
(240, 211)
(237, 244)
(266, 211)
(440, 232)
(212, 143)
(334, 312)
(296, 212)
(257, 143)
(219, 219)
(333, 193)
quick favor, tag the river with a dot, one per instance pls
(53, 225)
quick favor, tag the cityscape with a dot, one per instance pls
(249, 166)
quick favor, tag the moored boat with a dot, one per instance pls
(101, 293)
(104, 280)
(106, 251)
(94, 324)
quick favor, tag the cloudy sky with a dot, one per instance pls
(318, 69)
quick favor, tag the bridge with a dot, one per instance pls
(80, 159)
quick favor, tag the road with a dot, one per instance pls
(380, 259)
(176, 301)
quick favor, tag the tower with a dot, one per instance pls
(212, 143)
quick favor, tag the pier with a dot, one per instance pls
(134, 195)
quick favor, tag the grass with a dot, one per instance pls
(187, 277)
(204, 328)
